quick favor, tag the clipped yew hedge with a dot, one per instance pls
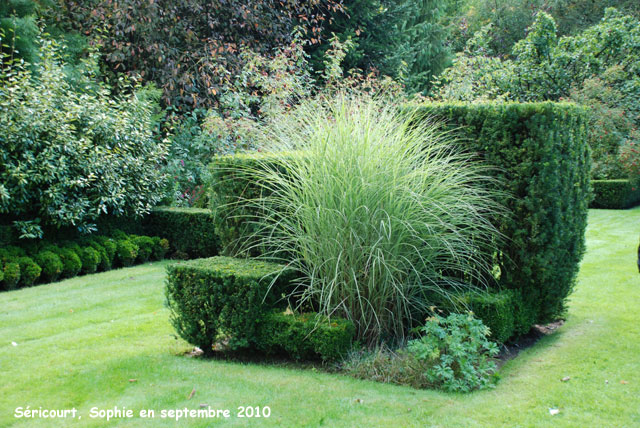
(543, 160)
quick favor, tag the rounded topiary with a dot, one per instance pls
(90, 259)
(145, 248)
(160, 248)
(11, 275)
(119, 235)
(126, 252)
(29, 271)
(10, 253)
(51, 265)
(72, 265)
(105, 261)
(110, 247)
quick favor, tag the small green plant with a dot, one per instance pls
(110, 247)
(29, 271)
(160, 248)
(457, 351)
(51, 265)
(11, 275)
(72, 265)
(127, 252)
(105, 261)
(145, 248)
(90, 259)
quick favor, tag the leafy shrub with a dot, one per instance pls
(223, 298)
(305, 336)
(110, 247)
(597, 67)
(614, 194)
(188, 230)
(126, 252)
(66, 140)
(51, 265)
(160, 248)
(29, 271)
(543, 157)
(406, 229)
(90, 259)
(11, 272)
(458, 352)
(155, 39)
(71, 262)
(11, 252)
(145, 246)
(105, 260)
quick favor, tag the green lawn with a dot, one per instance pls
(81, 341)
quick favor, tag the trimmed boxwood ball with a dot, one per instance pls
(105, 262)
(29, 271)
(72, 265)
(90, 259)
(145, 247)
(126, 252)
(110, 247)
(11, 275)
(160, 248)
(10, 253)
(51, 265)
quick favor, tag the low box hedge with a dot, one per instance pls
(190, 231)
(614, 194)
(222, 299)
(305, 336)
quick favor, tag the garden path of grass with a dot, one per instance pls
(81, 341)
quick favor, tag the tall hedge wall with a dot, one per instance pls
(543, 160)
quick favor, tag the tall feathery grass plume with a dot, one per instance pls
(381, 213)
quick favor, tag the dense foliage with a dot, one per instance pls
(457, 351)
(598, 67)
(543, 160)
(305, 336)
(402, 39)
(67, 156)
(615, 194)
(188, 47)
(511, 18)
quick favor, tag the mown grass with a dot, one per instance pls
(81, 341)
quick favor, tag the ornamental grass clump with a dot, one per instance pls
(378, 212)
